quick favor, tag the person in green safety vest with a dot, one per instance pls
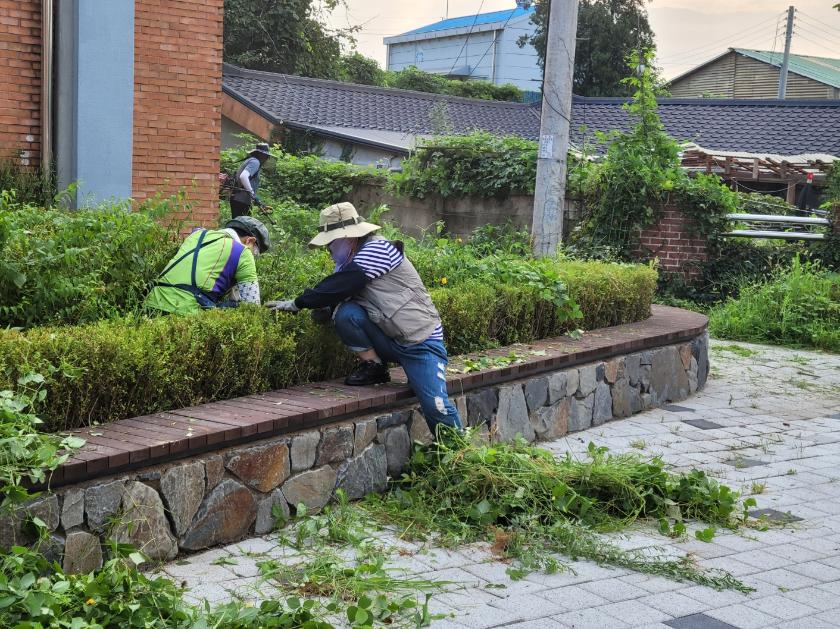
(213, 269)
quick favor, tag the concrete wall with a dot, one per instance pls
(460, 215)
(225, 495)
(20, 78)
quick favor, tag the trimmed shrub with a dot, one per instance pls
(799, 306)
(136, 365)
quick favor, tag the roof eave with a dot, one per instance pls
(447, 32)
(346, 136)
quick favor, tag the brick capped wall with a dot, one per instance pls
(671, 241)
(178, 101)
(20, 79)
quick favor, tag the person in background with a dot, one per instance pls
(381, 311)
(247, 181)
(213, 269)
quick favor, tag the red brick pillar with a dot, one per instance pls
(20, 78)
(178, 102)
(673, 242)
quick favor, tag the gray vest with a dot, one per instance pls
(400, 305)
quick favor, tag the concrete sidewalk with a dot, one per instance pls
(767, 423)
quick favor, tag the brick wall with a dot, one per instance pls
(177, 101)
(671, 241)
(20, 78)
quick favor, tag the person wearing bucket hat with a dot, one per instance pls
(381, 311)
(212, 269)
(247, 181)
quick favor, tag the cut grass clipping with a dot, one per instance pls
(531, 506)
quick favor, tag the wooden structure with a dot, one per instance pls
(746, 73)
(789, 170)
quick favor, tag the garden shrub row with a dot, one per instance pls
(135, 365)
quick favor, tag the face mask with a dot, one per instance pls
(341, 251)
(255, 250)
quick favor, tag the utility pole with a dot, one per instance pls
(783, 73)
(550, 188)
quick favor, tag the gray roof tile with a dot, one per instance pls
(756, 126)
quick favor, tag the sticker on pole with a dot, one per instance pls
(546, 146)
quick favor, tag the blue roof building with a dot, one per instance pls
(483, 46)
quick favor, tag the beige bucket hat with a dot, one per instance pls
(341, 221)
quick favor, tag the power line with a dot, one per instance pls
(693, 52)
(493, 43)
(816, 23)
(813, 33)
(467, 38)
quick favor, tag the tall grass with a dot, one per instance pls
(799, 306)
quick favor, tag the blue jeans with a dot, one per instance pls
(424, 363)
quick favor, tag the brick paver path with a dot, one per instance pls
(768, 421)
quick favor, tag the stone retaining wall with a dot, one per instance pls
(226, 495)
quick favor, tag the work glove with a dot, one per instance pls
(282, 306)
(257, 200)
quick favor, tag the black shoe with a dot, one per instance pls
(369, 372)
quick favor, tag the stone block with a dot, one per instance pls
(580, 413)
(262, 467)
(419, 428)
(668, 378)
(364, 434)
(613, 369)
(303, 450)
(397, 444)
(625, 399)
(646, 358)
(53, 548)
(644, 377)
(13, 526)
(266, 521)
(143, 523)
(512, 416)
(700, 351)
(460, 403)
(73, 509)
(336, 445)
(102, 502)
(225, 516)
(632, 368)
(397, 418)
(312, 488)
(557, 386)
(182, 488)
(647, 401)
(214, 472)
(602, 407)
(600, 374)
(685, 355)
(365, 474)
(481, 406)
(572, 382)
(552, 422)
(82, 553)
(536, 393)
(692, 376)
(588, 380)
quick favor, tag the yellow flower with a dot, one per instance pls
(90, 601)
(444, 281)
(460, 240)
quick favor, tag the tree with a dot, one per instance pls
(608, 32)
(286, 36)
(356, 68)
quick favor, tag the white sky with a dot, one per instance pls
(688, 32)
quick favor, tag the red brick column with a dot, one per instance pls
(671, 240)
(20, 80)
(178, 102)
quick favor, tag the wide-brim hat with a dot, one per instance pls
(261, 149)
(341, 221)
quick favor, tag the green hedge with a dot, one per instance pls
(134, 365)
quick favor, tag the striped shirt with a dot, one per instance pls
(378, 257)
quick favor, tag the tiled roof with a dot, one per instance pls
(468, 21)
(759, 126)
